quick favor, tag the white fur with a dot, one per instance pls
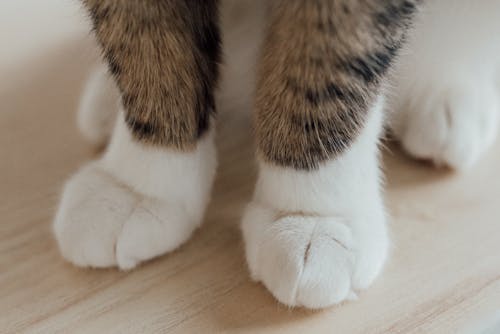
(315, 237)
(135, 203)
(98, 106)
(445, 99)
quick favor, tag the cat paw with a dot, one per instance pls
(314, 238)
(101, 222)
(308, 261)
(135, 203)
(451, 127)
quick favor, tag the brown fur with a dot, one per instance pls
(321, 69)
(163, 56)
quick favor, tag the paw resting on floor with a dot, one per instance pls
(102, 222)
(308, 261)
(452, 126)
(135, 203)
(314, 238)
(444, 95)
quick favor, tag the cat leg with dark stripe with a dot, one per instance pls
(315, 232)
(148, 192)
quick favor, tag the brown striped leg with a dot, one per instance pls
(322, 67)
(164, 57)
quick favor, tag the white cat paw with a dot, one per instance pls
(309, 261)
(102, 223)
(451, 127)
(314, 238)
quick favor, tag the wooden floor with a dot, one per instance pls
(443, 277)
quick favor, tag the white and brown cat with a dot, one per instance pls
(329, 73)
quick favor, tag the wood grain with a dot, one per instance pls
(443, 277)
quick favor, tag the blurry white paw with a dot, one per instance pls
(309, 261)
(98, 107)
(450, 126)
(101, 222)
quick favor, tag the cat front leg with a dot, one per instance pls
(148, 193)
(315, 237)
(315, 231)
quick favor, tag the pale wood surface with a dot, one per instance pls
(443, 277)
